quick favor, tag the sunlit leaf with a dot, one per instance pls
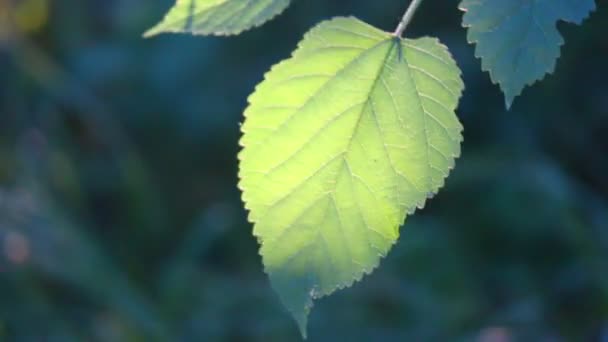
(517, 40)
(217, 17)
(341, 141)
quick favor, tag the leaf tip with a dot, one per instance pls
(302, 322)
(151, 32)
(508, 102)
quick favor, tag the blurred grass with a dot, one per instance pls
(120, 219)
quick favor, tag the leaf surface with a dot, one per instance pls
(517, 40)
(217, 17)
(341, 141)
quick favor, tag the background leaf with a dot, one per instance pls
(341, 141)
(518, 41)
(217, 17)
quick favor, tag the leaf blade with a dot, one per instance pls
(217, 17)
(340, 142)
(518, 41)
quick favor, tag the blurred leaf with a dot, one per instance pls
(518, 41)
(31, 15)
(217, 17)
(341, 141)
(38, 235)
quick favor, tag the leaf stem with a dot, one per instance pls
(407, 17)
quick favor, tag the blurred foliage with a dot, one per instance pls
(120, 219)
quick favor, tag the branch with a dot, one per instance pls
(407, 17)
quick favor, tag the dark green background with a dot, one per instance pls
(120, 219)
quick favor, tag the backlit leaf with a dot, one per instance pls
(341, 141)
(217, 17)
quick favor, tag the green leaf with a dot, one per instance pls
(217, 17)
(517, 40)
(341, 141)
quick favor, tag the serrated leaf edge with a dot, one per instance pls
(151, 32)
(548, 72)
